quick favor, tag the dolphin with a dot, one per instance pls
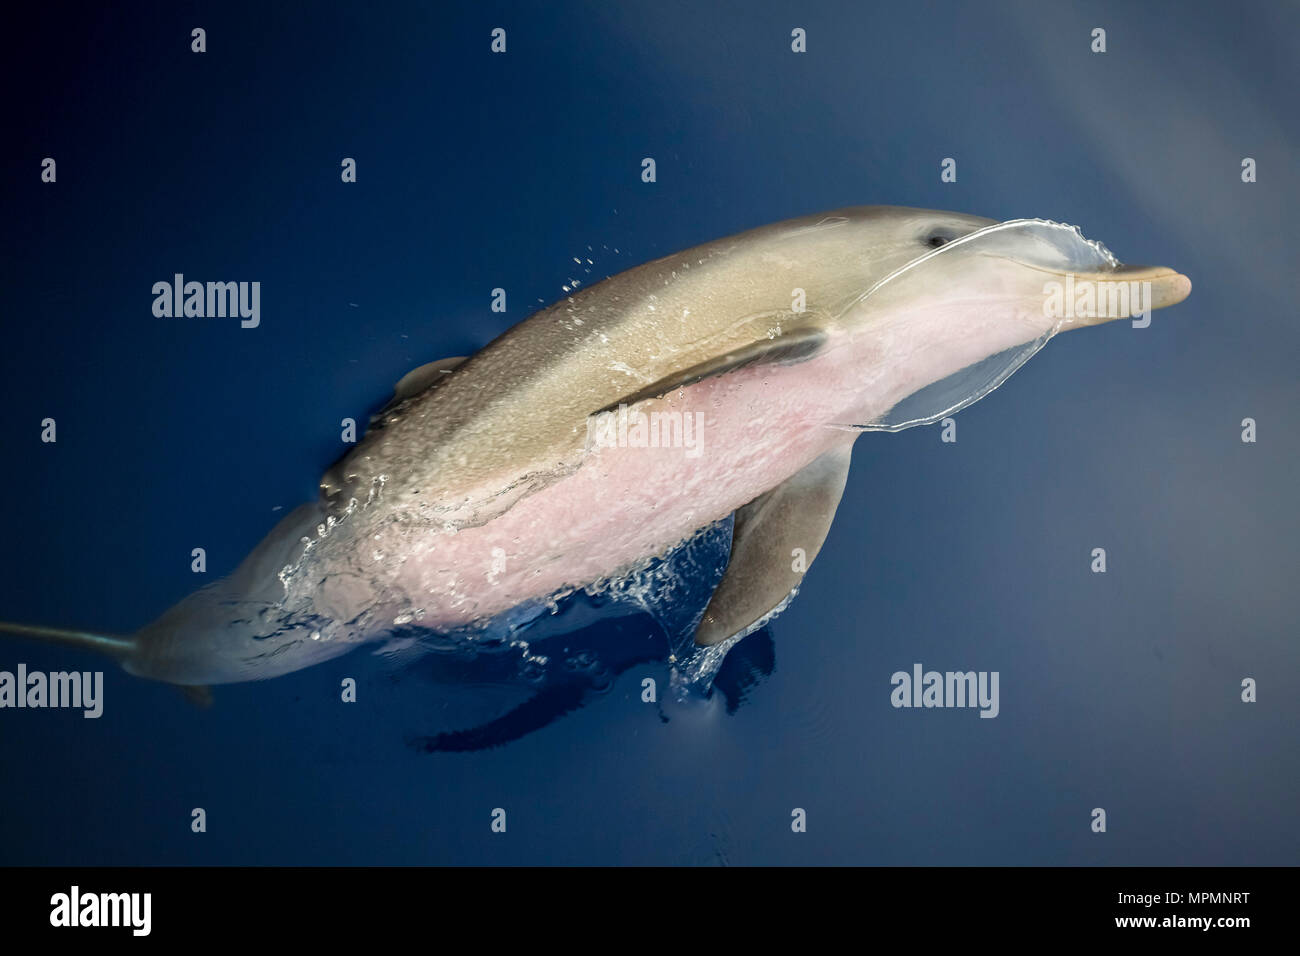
(603, 431)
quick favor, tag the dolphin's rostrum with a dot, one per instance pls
(752, 363)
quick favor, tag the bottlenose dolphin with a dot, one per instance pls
(608, 428)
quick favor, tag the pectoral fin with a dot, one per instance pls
(775, 539)
(790, 347)
(198, 695)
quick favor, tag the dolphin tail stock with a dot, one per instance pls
(115, 646)
(110, 644)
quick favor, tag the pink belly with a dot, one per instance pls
(757, 427)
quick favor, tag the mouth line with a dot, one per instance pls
(1164, 286)
(979, 235)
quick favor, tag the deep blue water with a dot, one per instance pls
(475, 171)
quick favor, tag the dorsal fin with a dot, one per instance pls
(415, 382)
(426, 376)
(784, 349)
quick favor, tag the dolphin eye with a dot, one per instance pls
(937, 240)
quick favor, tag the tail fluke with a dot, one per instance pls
(110, 644)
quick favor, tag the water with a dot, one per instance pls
(475, 172)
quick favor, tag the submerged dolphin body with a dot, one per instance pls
(608, 428)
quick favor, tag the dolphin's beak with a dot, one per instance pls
(1148, 287)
